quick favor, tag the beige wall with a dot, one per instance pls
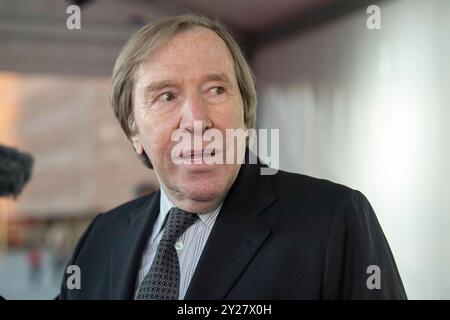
(83, 162)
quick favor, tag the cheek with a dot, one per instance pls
(239, 113)
(231, 117)
(156, 138)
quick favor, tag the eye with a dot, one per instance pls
(166, 97)
(218, 90)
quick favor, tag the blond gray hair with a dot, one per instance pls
(147, 40)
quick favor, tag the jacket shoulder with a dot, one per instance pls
(120, 216)
(288, 185)
(319, 201)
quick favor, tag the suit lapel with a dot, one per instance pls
(126, 251)
(236, 236)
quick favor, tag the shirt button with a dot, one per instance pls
(178, 245)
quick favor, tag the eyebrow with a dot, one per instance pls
(156, 86)
(159, 85)
(222, 77)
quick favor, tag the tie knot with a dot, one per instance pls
(178, 221)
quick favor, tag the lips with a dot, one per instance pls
(197, 154)
(206, 156)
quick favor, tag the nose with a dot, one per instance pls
(195, 111)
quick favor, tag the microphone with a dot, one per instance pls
(15, 171)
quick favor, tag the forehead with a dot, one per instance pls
(190, 54)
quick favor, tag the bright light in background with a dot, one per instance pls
(395, 151)
(395, 128)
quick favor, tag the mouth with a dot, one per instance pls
(199, 156)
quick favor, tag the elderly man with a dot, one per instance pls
(219, 229)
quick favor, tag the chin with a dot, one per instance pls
(204, 190)
(200, 189)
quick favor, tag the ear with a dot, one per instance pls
(137, 144)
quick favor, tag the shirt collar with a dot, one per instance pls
(164, 207)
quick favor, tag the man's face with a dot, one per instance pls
(190, 78)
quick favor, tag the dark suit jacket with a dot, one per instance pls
(285, 236)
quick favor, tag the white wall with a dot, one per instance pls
(370, 109)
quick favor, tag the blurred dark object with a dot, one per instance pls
(79, 2)
(15, 171)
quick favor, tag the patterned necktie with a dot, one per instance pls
(162, 282)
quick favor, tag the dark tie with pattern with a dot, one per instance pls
(162, 282)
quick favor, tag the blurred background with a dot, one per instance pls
(364, 107)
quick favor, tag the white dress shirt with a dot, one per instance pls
(189, 246)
